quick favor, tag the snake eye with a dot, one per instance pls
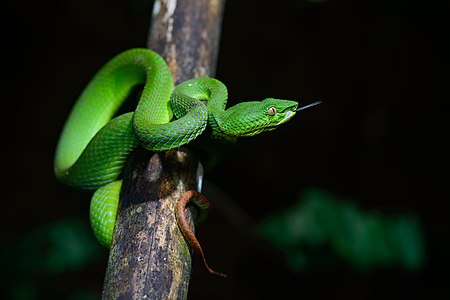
(272, 111)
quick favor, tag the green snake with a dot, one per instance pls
(95, 143)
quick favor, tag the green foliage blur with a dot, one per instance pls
(37, 262)
(320, 231)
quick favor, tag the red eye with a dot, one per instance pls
(272, 111)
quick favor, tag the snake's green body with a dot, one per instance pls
(94, 144)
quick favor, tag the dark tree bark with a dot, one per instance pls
(149, 257)
(186, 33)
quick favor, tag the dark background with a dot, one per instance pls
(379, 138)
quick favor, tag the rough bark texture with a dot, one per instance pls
(187, 34)
(149, 258)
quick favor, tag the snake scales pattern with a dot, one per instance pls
(95, 143)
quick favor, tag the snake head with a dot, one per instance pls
(253, 117)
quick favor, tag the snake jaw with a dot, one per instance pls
(289, 114)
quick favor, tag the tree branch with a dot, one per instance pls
(149, 257)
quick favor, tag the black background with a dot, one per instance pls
(379, 138)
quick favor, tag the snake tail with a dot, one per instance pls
(95, 142)
(203, 204)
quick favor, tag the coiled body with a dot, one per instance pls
(94, 144)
